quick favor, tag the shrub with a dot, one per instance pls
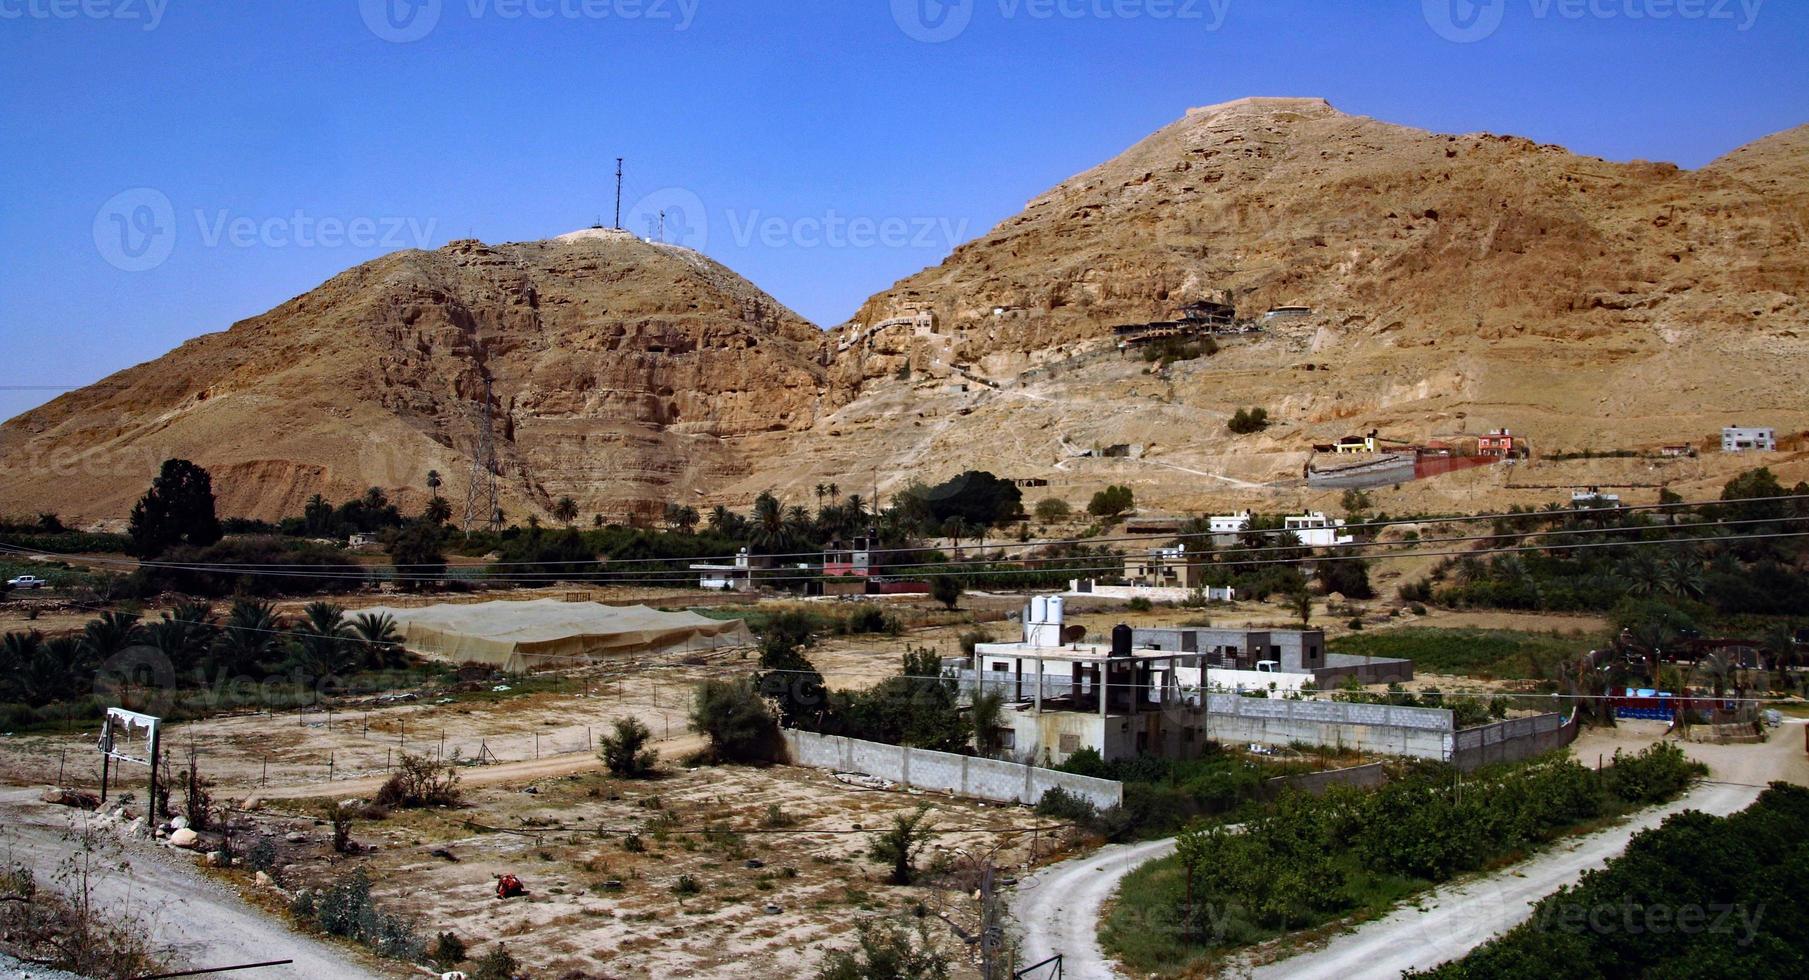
(686, 885)
(497, 964)
(899, 846)
(1249, 421)
(1140, 604)
(448, 951)
(421, 782)
(1657, 774)
(624, 750)
(345, 909)
(1049, 510)
(888, 952)
(1060, 804)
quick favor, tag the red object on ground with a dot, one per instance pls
(509, 886)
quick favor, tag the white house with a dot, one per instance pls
(1316, 530)
(1738, 439)
(1230, 524)
(738, 577)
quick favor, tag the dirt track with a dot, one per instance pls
(198, 922)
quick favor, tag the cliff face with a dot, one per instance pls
(623, 373)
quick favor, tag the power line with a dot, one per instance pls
(1007, 545)
(675, 577)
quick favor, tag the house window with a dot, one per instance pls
(1008, 739)
(1000, 668)
(1070, 744)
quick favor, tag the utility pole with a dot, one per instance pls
(618, 193)
(481, 489)
(662, 227)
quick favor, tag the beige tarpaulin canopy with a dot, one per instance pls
(523, 636)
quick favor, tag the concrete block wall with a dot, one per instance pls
(985, 779)
(1415, 732)
(1510, 741)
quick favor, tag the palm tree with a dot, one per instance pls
(1642, 572)
(1301, 603)
(382, 641)
(822, 491)
(55, 670)
(438, 511)
(565, 511)
(110, 634)
(988, 714)
(835, 494)
(17, 651)
(248, 637)
(320, 640)
(771, 533)
(720, 519)
(1683, 577)
(434, 483)
(956, 528)
(185, 634)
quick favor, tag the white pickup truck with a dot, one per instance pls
(27, 582)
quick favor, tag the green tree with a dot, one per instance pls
(565, 511)
(415, 552)
(946, 588)
(323, 641)
(1111, 502)
(624, 749)
(248, 638)
(178, 509)
(899, 846)
(737, 723)
(1049, 510)
(381, 641)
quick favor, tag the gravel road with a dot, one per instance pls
(201, 923)
(1056, 910)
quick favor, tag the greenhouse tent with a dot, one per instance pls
(524, 636)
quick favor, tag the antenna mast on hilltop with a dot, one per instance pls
(480, 489)
(618, 193)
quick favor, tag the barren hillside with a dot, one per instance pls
(1458, 284)
(620, 369)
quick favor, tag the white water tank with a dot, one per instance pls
(1056, 605)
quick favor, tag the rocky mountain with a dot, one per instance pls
(619, 371)
(1457, 283)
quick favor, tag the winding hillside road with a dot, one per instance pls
(1058, 908)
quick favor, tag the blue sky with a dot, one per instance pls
(171, 166)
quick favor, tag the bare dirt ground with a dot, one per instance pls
(776, 855)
